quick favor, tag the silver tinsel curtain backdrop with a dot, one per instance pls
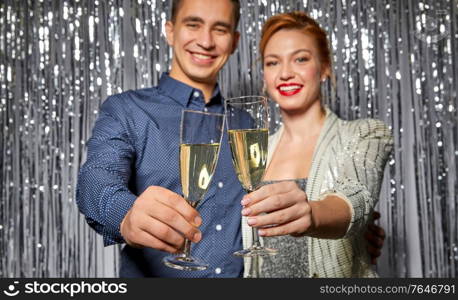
(394, 60)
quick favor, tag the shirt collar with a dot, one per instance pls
(185, 94)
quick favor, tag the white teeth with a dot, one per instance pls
(201, 56)
(289, 88)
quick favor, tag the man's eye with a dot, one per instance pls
(221, 30)
(192, 25)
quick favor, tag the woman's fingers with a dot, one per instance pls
(279, 209)
(275, 197)
(269, 204)
(295, 227)
(269, 190)
(282, 216)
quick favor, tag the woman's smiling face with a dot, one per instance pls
(293, 70)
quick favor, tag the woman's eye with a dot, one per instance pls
(271, 63)
(302, 59)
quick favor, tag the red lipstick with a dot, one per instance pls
(289, 89)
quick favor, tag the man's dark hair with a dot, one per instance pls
(236, 12)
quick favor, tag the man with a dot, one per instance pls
(129, 187)
(134, 151)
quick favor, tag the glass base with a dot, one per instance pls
(185, 263)
(256, 251)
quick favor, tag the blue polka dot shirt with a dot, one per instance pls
(135, 144)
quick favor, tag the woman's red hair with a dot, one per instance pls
(301, 21)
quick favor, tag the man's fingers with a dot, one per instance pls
(179, 204)
(163, 232)
(374, 240)
(137, 237)
(377, 230)
(173, 219)
(150, 241)
(373, 252)
(373, 260)
(160, 213)
(376, 215)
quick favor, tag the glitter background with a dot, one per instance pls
(393, 60)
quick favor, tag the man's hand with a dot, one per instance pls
(375, 235)
(160, 219)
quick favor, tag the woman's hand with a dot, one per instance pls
(279, 209)
(282, 208)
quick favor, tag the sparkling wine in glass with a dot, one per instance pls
(247, 123)
(199, 147)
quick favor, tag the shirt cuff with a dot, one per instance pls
(116, 210)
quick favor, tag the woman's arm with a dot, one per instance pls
(289, 212)
(330, 218)
(340, 211)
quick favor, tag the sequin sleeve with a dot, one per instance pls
(367, 145)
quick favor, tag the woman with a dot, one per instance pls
(319, 231)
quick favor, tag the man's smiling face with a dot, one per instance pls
(203, 37)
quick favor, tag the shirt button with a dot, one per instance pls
(205, 109)
(196, 94)
(218, 270)
(220, 184)
(219, 227)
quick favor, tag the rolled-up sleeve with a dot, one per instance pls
(102, 193)
(366, 152)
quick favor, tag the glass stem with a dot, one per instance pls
(254, 269)
(256, 242)
(254, 233)
(187, 248)
(187, 243)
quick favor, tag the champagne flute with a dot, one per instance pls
(247, 123)
(199, 148)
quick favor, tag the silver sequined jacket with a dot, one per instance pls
(349, 160)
